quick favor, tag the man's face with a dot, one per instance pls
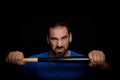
(59, 40)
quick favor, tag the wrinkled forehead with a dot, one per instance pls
(58, 31)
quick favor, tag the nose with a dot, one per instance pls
(59, 43)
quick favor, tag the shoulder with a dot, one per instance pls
(74, 53)
(40, 55)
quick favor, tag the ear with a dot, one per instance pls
(48, 40)
(70, 37)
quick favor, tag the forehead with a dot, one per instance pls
(59, 30)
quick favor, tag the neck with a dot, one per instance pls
(67, 54)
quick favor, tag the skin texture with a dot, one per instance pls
(59, 40)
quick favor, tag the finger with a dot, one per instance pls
(18, 57)
(102, 58)
(90, 55)
(92, 65)
(13, 57)
(9, 57)
(94, 57)
(21, 63)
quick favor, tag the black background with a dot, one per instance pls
(25, 31)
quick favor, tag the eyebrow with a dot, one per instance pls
(57, 38)
(65, 36)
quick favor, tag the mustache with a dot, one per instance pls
(59, 47)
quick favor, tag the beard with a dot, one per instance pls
(59, 54)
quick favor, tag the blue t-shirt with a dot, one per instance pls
(54, 70)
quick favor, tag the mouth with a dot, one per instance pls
(60, 50)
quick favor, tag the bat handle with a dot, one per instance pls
(30, 59)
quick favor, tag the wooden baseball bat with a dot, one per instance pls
(58, 59)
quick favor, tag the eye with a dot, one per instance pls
(53, 39)
(65, 37)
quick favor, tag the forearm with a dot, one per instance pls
(105, 66)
